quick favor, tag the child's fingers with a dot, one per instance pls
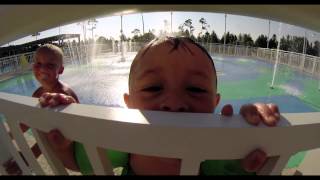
(267, 115)
(46, 94)
(275, 110)
(254, 161)
(55, 99)
(64, 99)
(250, 113)
(53, 102)
(45, 99)
(57, 140)
(227, 110)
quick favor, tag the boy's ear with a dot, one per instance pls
(61, 70)
(126, 98)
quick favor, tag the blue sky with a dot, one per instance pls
(110, 26)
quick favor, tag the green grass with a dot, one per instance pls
(311, 94)
(259, 87)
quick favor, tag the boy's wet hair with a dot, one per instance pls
(53, 49)
(176, 42)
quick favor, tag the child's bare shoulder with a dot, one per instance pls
(37, 93)
(68, 91)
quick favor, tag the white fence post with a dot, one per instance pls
(55, 164)
(13, 151)
(190, 166)
(23, 145)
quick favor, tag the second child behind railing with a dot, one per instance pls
(48, 65)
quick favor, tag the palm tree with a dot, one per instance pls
(188, 23)
(204, 27)
(181, 30)
(136, 32)
(204, 24)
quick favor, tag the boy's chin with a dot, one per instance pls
(45, 81)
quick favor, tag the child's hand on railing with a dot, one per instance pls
(55, 99)
(255, 113)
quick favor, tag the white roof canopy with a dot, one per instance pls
(18, 21)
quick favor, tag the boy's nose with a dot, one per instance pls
(174, 105)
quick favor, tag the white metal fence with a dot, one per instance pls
(15, 63)
(301, 62)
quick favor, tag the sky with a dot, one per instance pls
(110, 26)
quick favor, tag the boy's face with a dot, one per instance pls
(47, 67)
(176, 81)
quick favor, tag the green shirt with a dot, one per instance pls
(121, 159)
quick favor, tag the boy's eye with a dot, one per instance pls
(37, 64)
(196, 90)
(152, 89)
(51, 66)
(47, 66)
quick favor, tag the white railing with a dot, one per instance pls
(192, 137)
(301, 62)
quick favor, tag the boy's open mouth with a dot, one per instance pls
(43, 76)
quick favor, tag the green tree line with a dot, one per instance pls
(287, 43)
